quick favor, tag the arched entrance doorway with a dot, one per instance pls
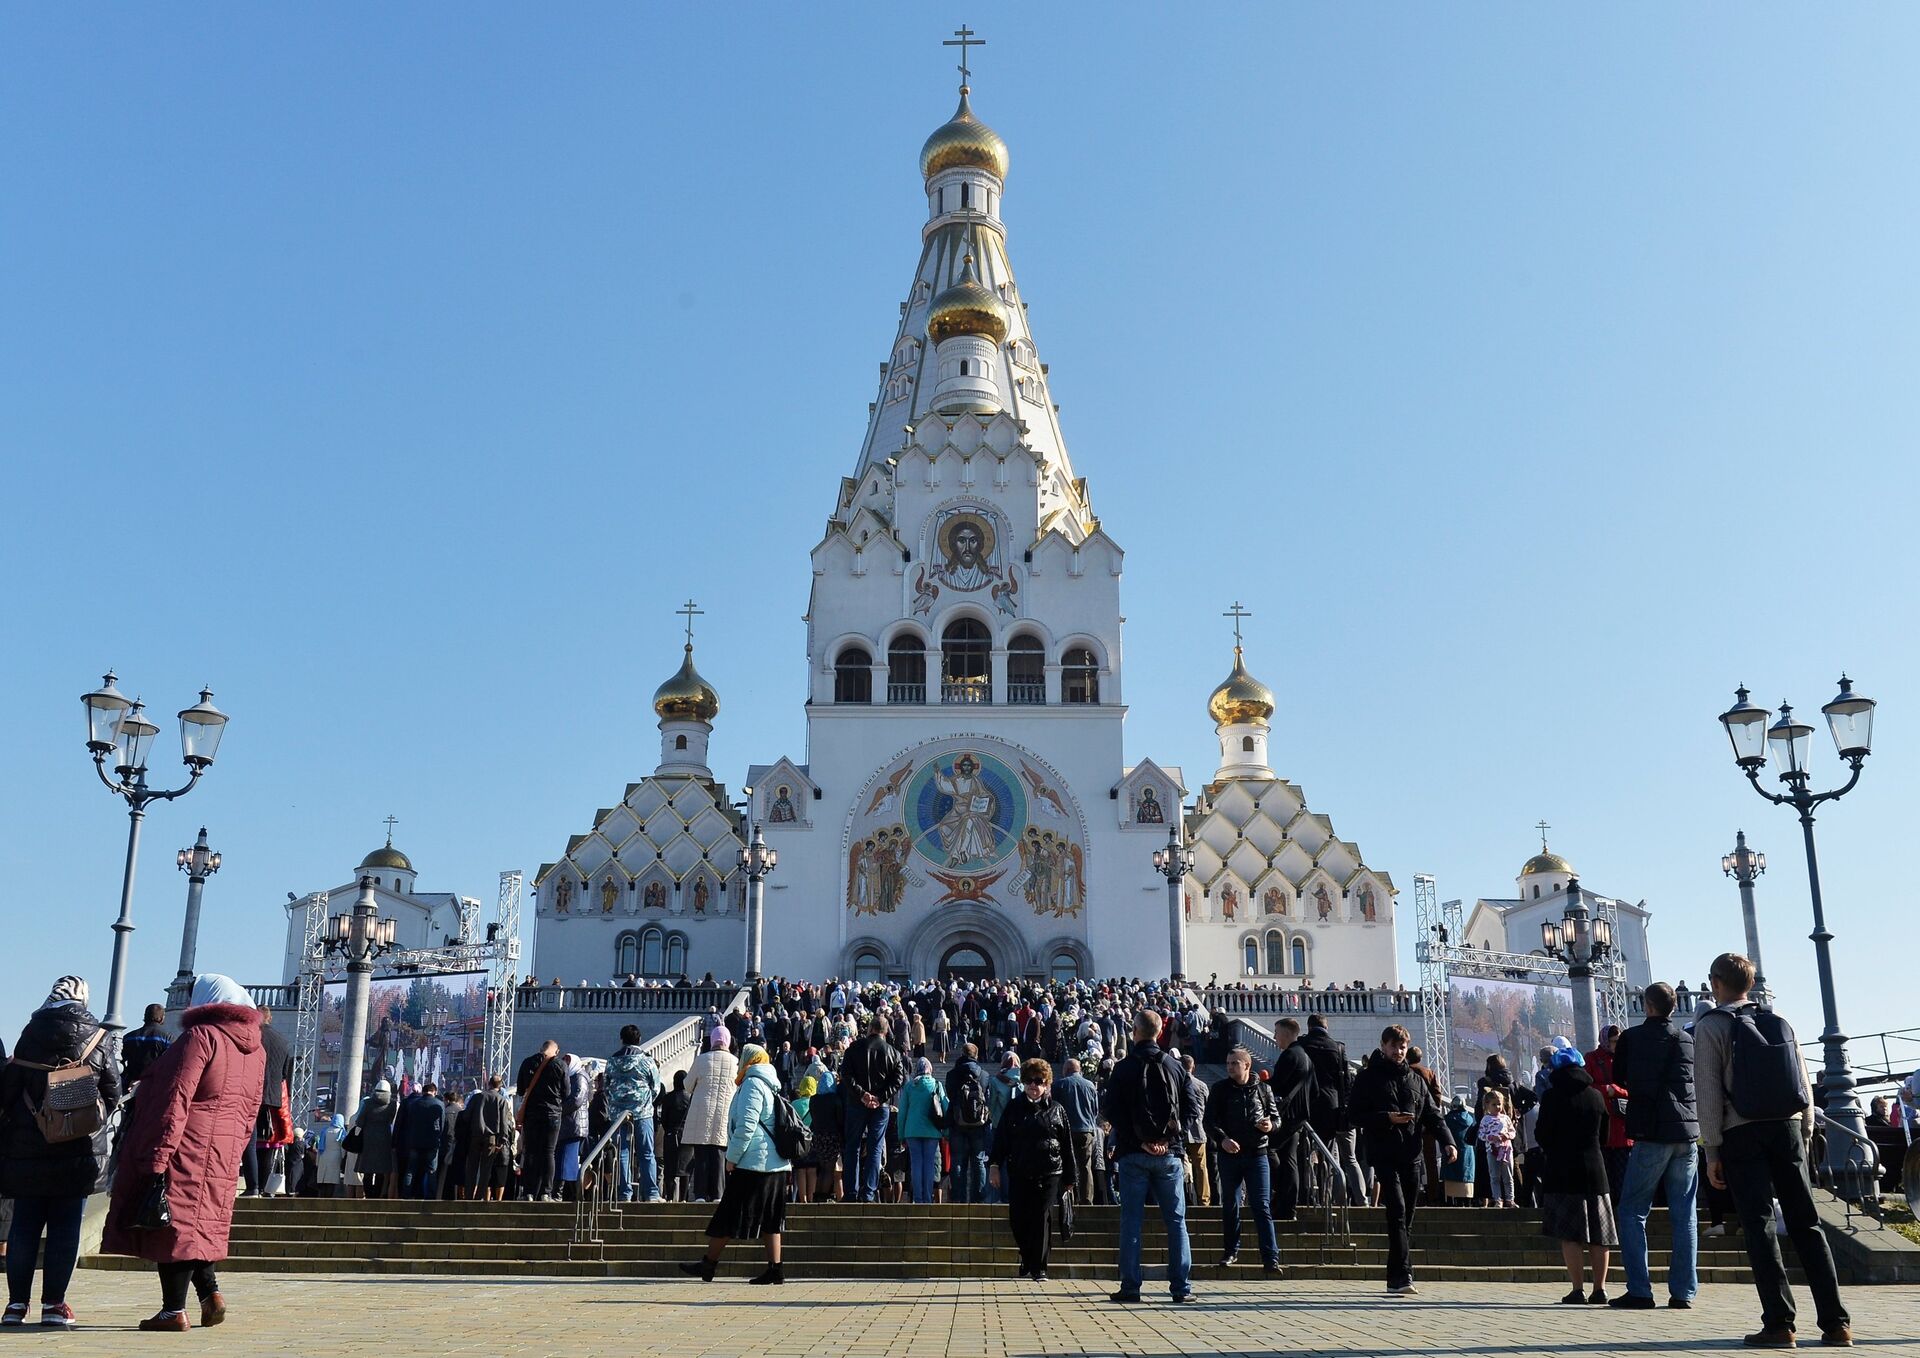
(965, 962)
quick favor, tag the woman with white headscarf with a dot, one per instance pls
(191, 1124)
(49, 1179)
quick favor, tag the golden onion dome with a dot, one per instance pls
(967, 308)
(387, 857)
(1547, 862)
(1240, 698)
(963, 140)
(686, 695)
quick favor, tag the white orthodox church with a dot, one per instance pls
(965, 803)
(1512, 923)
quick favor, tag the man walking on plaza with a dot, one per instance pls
(1080, 1101)
(872, 1073)
(1292, 1084)
(1391, 1107)
(1756, 1115)
(1655, 1063)
(1150, 1101)
(1327, 1102)
(1199, 1182)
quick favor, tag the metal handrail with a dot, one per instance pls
(1868, 1198)
(593, 1192)
(1329, 1181)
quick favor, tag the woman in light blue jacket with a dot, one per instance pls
(754, 1204)
(921, 1111)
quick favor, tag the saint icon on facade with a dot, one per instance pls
(1149, 812)
(782, 812)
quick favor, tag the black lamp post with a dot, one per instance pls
(1745, 865)
(1850, 720)
(1582, 941)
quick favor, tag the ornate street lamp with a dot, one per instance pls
(1582, 942)
(756, 860)
(1850, 722)
(118, 730)
(359, 937)
(1174, 862)
(1745, 865)
(199, 863)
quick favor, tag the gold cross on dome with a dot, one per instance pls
(1237, 612)
(1543, 827)
(692, 611)
(963, 39)
(390, 822)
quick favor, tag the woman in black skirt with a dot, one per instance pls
(754, 1204)
(1575, 1207)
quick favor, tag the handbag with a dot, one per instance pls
(353, 1140)
(1066, 1215)
(154, 1213)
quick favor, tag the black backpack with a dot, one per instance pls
(791, 1137)
(1156, 1115)
(971, 1110)
(1768, 1081)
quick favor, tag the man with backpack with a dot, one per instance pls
(1756, 1115)
(1327, 1102)
(1150, 1101)
(970, 1130)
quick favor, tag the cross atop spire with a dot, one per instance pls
(963, 39)
(1543, 827)
(390, 822)
(1237, 612)
(692, 611)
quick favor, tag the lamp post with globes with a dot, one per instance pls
(199, 863)
(118, 728)
(1744, 865)
(359, 937)
(756, 860)
(1850, 722)
(1174, 862)
(1581, 941)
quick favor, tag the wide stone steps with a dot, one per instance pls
(840, 1240)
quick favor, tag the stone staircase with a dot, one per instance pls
(354, 1236)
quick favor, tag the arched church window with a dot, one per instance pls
(1026, 670)
(676, 955)
(1536, 890)
(966, 195)
(1246, 744)
(907, 670)
(963, 368)
(1250, 957)
(679, 742)
(1065, 968)
(1299, 957)
(1276, 953)
(652, 954)
(853, 676)
(866, 968)
(626, 956)
(1079, 676)
(966, 662)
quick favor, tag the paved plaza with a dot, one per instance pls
(382, 1315)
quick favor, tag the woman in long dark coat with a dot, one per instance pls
(191, 1124)
(50, 1182)
(1576, 1209)
(1034, 1150)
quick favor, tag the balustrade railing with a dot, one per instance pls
(621, 1000)
(906, 693)
(966, 691)
(1027, 695)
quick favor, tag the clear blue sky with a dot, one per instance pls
(1534, 374)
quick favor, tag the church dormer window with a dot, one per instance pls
(853, 676)
(907, 670)
(1079, 676)
(966, 662)
(1026, 670)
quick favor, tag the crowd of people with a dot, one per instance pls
(1037, 1096)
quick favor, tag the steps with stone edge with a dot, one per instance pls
(355, 1236)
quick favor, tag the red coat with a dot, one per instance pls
(1600, 1067)
(192, 1118)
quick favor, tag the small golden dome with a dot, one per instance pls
(387, 857)
(686, 696)
(1240, 698)
(963, 140)
(967, 308)
(1547, 862)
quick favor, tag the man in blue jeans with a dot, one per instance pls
(871, 1074)
(633, 1088)
(1149, 1101)
(970, 1122)
(1655, 1064)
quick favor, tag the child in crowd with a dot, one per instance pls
(1496, 1139)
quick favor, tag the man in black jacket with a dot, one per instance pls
(542, 1087)
(143, 1046)
(1292, 1085)
(1240, 1118)
(1328, 1099)
(417, 1133)
(871, 1074)
(1654, 1062)
(1149, 1102)
(970, 1125)
(1391, 1106)
(256, 1163)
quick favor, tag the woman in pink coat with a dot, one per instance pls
(191, 1124)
